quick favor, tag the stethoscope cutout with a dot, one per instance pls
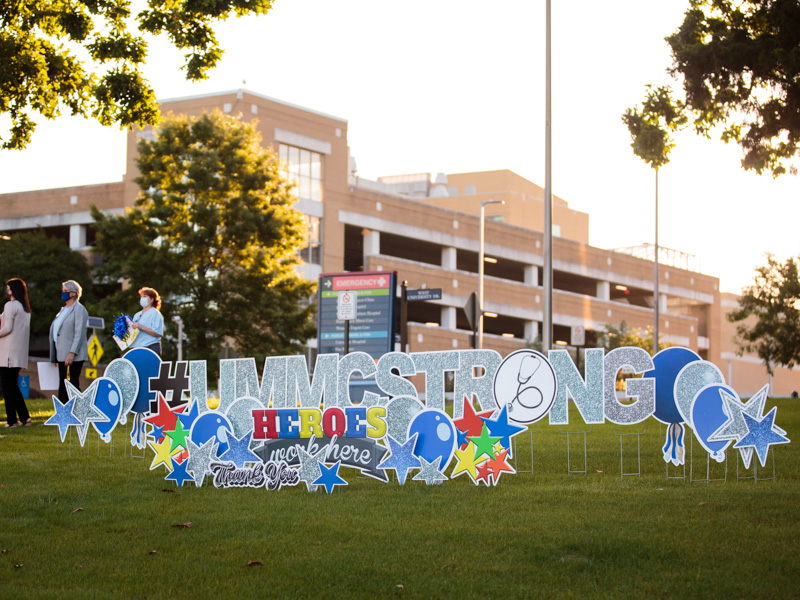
(526, 395)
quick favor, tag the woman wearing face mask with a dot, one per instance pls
(148, 321)
(15, 328)
(68, 345)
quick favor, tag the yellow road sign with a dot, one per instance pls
(95, 351)
(91, 373)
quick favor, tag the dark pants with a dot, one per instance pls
(15, 403)
(73, 373)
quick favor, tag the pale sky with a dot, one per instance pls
(453, 86)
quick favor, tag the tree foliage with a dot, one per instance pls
(44, 263)
(85, 56)
(739, 67)
(652, 127)
(535, 344)
(214, 231)
(623, 335)
(774, 303)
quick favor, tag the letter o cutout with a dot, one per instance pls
(334, 422)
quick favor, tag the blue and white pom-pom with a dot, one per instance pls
(121, 326)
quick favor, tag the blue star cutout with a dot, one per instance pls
(761, 435)
(500, 427)
(188, 417)
(179, 474)
(462, 438)
(430, 473)
(63, 417)
(157, 433)
(402, 459)
(330, 477)
(238, 451)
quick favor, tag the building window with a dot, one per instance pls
(304, 169)
(312, 253)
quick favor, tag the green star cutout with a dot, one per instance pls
(178, 436)
(484, 443)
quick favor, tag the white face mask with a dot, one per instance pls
(144, 301)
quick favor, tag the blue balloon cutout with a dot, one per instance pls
(436, 436)
(108, 401)
(146, 362)
(708, 415)
(211, 424)
(668, 364)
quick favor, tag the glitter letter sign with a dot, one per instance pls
(283, 427)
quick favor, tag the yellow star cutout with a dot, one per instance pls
(498, 448)
(467, 462)
(163, 453)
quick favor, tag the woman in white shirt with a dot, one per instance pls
(15, 333)
(148, 321)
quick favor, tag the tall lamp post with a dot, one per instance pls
(480, 270)
(651, 130)
(547, 252)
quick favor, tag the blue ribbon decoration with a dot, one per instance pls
(675, 449)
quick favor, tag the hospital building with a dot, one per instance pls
(425, 226)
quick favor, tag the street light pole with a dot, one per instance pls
(480, 269)
(547, 283)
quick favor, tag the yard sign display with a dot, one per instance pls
(286, 428)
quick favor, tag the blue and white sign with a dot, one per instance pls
(372, 300)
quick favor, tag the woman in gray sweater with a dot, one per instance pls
(68, 345)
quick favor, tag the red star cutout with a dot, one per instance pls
(484, 473)
(499, 465)
(179, 458)
(166, 417)
(470, 422)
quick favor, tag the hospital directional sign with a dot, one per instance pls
(373, 329)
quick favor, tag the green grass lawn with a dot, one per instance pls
(90, 526)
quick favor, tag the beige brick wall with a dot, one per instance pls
(60, 201)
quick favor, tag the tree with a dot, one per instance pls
(651, 128)
(535, 344)
(45, 44)
(650, 132)
(774, 303)
(623, 335)
(739, 66)
(44, 263)
(214, 231)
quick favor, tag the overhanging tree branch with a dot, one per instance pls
(40, 74)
